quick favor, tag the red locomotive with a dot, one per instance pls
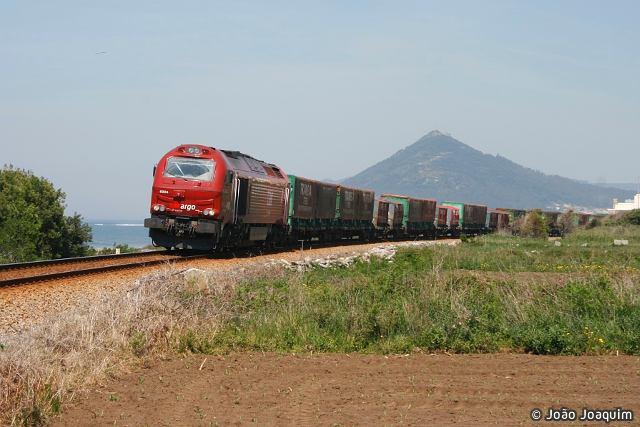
(204, 198)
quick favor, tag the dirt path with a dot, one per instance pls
(418, 389)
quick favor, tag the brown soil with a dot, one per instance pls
(360, 389)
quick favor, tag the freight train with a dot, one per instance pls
(204, 198)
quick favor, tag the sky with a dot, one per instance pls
(92, 94)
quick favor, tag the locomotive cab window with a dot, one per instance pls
(189, 168)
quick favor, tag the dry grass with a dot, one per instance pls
(42, 368)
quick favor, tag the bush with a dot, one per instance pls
(593, 223)
(32, 220)
(566, 221)
(630, 218)
(534, 225)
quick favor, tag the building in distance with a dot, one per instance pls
(627, 205)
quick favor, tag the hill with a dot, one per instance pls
(629, 186)
(439, 166)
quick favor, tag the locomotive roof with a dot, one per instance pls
(238, 154)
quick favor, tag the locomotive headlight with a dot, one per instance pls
(209, 212)
(158, 207)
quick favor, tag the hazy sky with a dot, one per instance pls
(92, 94)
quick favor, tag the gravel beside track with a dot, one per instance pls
(25, 305)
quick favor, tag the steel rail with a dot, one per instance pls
(92, 270)
(47, 262)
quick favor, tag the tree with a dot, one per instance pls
(32, 220)
(534, 225)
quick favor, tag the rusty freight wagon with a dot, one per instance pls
(381, 215)
(473, 218)
(354, 211)
(497, 219)
(515, 215)
(395, 218)
(312, 208)
(419, 215)
(447, 223)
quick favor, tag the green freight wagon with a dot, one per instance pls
(418, 214)
(473, 218)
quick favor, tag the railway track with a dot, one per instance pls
(47, 270)
(40, 271)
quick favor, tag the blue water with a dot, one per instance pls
(107, 233)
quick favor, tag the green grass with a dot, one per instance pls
(583, 251)
(413, 303)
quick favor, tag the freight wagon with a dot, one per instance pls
(312, 208)
(328, 211)
(419, 215)
(473, 218)
(497, 220)
(448, 221)
(354, 210)
(514, 214)
(387, 218)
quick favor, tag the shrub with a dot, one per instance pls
(593, 223)
(516, 225)
(566, 221)
(534, 225)
(631, 217)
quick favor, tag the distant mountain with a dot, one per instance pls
(441, 167)
(629, 186)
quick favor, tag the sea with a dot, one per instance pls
(107, 233)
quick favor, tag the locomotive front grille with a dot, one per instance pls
(182, 226)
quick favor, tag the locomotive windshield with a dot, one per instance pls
(189, 168)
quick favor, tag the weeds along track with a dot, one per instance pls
(39, 271)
